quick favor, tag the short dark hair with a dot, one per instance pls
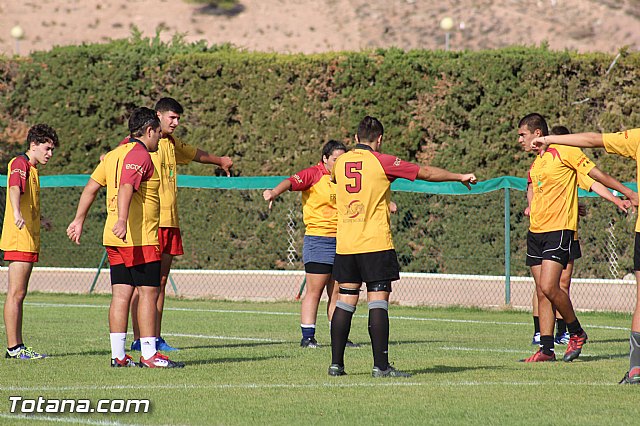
(535, 121)
(141, 119)
(370, 129)
(560, 130)
(169, 104)
(42, 133)
(332, 146)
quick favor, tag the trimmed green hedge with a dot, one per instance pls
(272, 113)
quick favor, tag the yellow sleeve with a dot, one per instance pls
(185, 153)
(623, 143)
(99, 174)
(575, 158)
(585, 181)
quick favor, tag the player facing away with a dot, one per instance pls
(172, 151)
(553, 223)
(626, 144)
(321, 221)
(21, 231)
(588, 184)
(364, 246)
(130, 236)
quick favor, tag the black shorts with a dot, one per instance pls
(554, 245)
(636, 253)
(366, 267)
(318, 268)
(576, 252)
(144, 275)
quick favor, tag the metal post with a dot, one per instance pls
(95, 279)
(507, 247)
(173, 285)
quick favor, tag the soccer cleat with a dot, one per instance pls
(389, 372)
(309, 342)
(562, 338)
(24, 353)
(574, 347)
(540, 357)
(536, 339)
(161, 345)
(159, 361)
(631, 380)
(135, 345)
(126, 362)
(350, 344)
(336, 370)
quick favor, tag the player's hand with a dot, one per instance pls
(268, 196)
(527, 211)
(468, 180)
(393, 207)
(120, 230)
(624, 205)
(225, 164)
(582, 210)
(19, 220)
(539, 144)
(634, 201)
(74, 231)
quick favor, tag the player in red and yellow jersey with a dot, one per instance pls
(364, 249)
(553, 223)
(130, 235)
(321, 219)
(172, 151)
(626, 144)
(21, 231)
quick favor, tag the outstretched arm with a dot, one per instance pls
(74, 230)
(271, 194)
(436, 174)
(602, 191)
(611, 182)
(225, 163)
(581, 140)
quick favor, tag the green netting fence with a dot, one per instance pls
(456, 247)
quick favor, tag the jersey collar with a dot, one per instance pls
(363, 146)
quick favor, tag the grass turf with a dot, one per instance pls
(245, 366)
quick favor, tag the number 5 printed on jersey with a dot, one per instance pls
(352, 170)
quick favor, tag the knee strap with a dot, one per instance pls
(379, 304)
(345, 306)
(349, 291)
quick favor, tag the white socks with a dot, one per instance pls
(148, 347)
(117, 345)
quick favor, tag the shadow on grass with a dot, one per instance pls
(592, 358)
(229, 360)
(599, 341)
(235, 345)
(446, 369)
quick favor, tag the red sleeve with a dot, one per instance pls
(529, 174)
(124, 141)
(395, 168)
(137, 167)
(305, 179)
(19, 173)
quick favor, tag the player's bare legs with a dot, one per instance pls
(316, 284)
(19, 273)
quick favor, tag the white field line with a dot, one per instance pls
(202, 336)
(325, 385)
(234, 311)
(72, 420)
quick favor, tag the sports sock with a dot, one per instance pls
(547, 345)
(575, 328)
(117, 345)
(308, 330)
(14, 350)
(148, 347)
(561, 326)
(634, 354)
(379, 332)
(340, 327)
(536, 324)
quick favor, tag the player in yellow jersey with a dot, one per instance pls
(626, 144)
(172, 151)
(553, 223)
(130, 236)
(21, 231)
(588, 184)
(364, 247)
(321, 219)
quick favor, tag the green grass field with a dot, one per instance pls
(244, 366)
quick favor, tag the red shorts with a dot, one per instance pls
(170, 241)
(132, 256)
(20, 256)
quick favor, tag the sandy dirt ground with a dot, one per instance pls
(310, 26)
